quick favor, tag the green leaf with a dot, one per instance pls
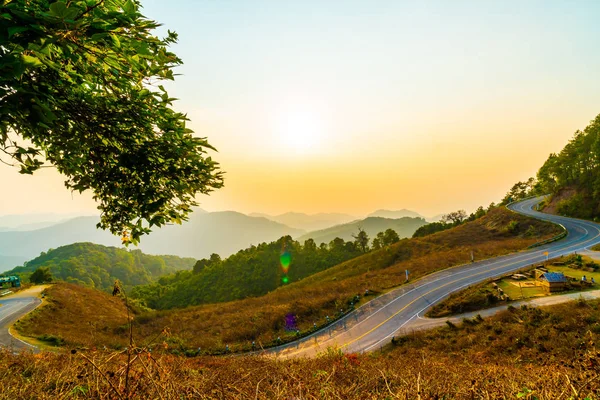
(31, 61)
(13, 30)
(129, 7)
(58, 9)
(115, 40)
(98, 36)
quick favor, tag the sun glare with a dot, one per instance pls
(300, 131)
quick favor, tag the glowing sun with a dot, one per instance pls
(300, 131)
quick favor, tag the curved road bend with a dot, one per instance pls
(12, 308)
(375, 323)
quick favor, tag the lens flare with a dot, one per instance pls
(290, 322)
(285, 260)
(285, 280)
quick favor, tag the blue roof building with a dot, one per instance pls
(553, 281)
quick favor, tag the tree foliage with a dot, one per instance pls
(454, 217)
(80, 89)
(41, 275)
(520, 190)
(254, 271)
(575, 167)
(386, 238)
(361, 240)
(99, 266)
(451, 220)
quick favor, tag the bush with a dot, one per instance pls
(51, 340)
(512, 227)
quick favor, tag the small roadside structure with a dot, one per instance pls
(518, 277)
(553, 281)
(13, 281)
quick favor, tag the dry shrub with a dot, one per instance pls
(415, 374)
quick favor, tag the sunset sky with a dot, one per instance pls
(351, 106)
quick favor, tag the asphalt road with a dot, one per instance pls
(11, 309)
(374, 324)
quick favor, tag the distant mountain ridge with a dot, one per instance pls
(205, 233)
(308, 222)
(8, 262)
(20, 222)
(405, 227)
(395, 214)
(29, 244)
(223, 233)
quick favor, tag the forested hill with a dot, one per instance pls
(573, 175)
(254, 271)
(405, 227)
(99, 266)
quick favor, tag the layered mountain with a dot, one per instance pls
(27, 222)
(223, 233)
(405, 227)
(395, 214)
(205, 233)
(20, 245)
(308, 222)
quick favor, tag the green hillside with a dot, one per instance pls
(254, 271)
(99, 266)
(405, 227)
(572, 177)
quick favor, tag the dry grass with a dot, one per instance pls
(237, 324)
(76, 315)
(542, 354)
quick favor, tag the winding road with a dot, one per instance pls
(399, 311)
(14, 307)
(374, 324)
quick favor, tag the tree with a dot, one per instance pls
(80, 90)
(480, 212)
(310, 245)
(455, 217)
(390, 237)
(377, 242)
(361, 239)
(41, 275)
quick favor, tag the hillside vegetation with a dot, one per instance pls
(572, 177)
(310, 300)
(542, 354)
(405, 227)
(99, 266)
(254, 271)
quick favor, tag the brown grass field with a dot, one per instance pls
(522, 353)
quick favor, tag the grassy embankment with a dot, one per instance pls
(486, 295)
(545, 353)
(79, 317)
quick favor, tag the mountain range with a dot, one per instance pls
(205, 233)
(308, 222)
(404, 227)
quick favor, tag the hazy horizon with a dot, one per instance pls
(352, 107)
